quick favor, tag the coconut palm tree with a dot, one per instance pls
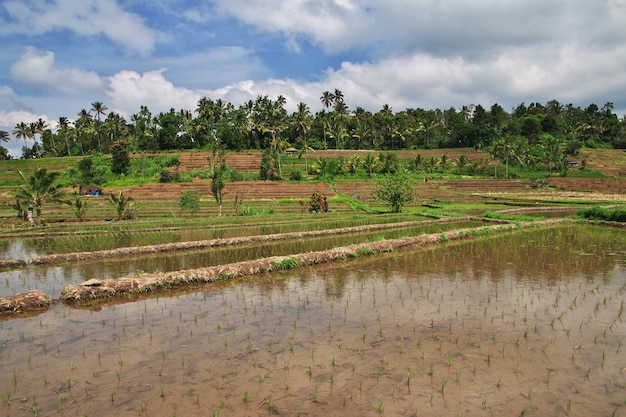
(302, 120)
(461, 162)
(99, 110)
(63, 127)
(37, 190)
(22, 131)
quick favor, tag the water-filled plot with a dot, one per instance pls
(525, 323)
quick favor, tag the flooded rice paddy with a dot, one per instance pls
(28, 248)
(524, 323)
(52, 279)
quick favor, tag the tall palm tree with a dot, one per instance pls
(63, 127)
(38, 189)
(22, 131)
(99, 110)
(327, 100)
(302, 119)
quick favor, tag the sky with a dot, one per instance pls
(59, 56)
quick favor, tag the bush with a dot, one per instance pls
(296, 175)
(317, 203)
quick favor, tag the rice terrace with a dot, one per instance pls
(498, 294)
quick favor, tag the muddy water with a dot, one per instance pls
(52, 279)
(528, 322)
(30, 248)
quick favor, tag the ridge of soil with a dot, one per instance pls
(28, 301)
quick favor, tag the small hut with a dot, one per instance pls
(92, 190)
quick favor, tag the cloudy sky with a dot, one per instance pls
(59, 56)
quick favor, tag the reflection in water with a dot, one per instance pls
(73, 273)
(29, 248)
(526, 322)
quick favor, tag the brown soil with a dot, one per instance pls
(93, 289)
(247, 190)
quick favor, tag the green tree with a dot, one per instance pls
(396, 190)
(444, 162)
(124, 207)
(217, 185)
(88, 171)
(189, 201)
(389, 162)
(370, 163)
(302, 124)
(120, 161)
(80, 206)
(100, 110)
(37, 190)
(461, 162)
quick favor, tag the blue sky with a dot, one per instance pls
(59, 56)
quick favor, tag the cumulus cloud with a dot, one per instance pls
(37, 68)
(445, 27)
(85, 17)
(128, 91)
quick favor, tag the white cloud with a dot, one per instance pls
(37, 68)
(128, 91)
(444, 27)
(85, 17)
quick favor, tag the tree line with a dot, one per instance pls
(265, 124)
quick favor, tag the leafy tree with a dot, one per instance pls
(396, 190)
(124, 207)
(217, 185)
(189, 201)
(88, 171)
(37, 190)
(266, 168)
(120, 161)
(317, 203)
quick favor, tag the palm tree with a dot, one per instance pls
(361, 133)
(327, 99)
(124, 206)
(461, 162)
(338, 132)
(22, 131)
(37, 190)
(444, 162)
(4, 136)
(63, 126)
(370, 163)
(302, 119)
(100, 110)
(418, 161)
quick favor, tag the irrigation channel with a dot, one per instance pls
(528, 322)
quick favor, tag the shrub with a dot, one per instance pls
(296, 175)
(317, 203)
